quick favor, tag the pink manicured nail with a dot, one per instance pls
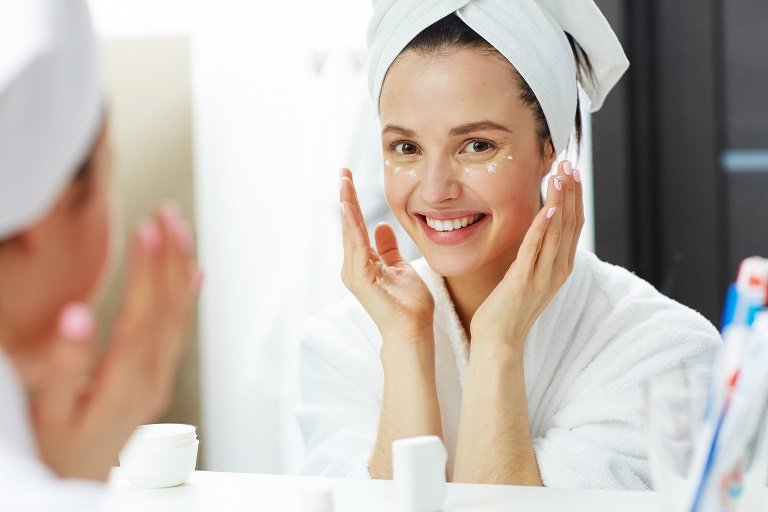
(558, 183)
(77, 322)
(184, 237)
(577, 176)
(551, 212)
(171, 211)
(196, 280)
(149, 236)
(567, 168)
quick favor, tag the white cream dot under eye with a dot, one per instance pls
(491, 168)
(510, 157)
(387, 163)
(469, 171)
(412, 173)
(397, 170)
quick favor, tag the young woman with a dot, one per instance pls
(525, 354)
(63, 412)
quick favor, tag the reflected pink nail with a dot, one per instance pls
(149, 236)
(184, 237)
(567, 168)
(558, 183)
(551, 212)
(77, 322)
(196, 280)
(577, 176)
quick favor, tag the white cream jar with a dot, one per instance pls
(160, 455)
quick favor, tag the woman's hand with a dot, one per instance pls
(83, 415)
(384, 282)
(544, 262)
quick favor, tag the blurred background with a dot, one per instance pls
(244, 110)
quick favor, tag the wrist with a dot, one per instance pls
(494, 353)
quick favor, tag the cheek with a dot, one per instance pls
(95, 243)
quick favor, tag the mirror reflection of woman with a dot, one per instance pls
(523, 352)
(65, 411)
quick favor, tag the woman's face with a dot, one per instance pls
(61, 259)
(463, 161)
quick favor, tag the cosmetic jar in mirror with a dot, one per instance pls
(160, 455)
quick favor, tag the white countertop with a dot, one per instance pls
(234, 492)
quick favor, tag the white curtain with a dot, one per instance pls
(280, 105)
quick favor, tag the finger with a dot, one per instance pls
(357, 259)
(386, 244)
(532, 242)
(68, 371)
(579, 215)
(138, 289)
(550, 242)
(568, 217)
(349, 193)
(172, 315)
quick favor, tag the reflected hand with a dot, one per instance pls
(82, 415)
(385, 283)
(544, 262)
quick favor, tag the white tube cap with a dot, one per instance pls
(418, 466)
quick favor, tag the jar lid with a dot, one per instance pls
(164, 434)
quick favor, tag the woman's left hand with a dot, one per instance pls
(544, 262)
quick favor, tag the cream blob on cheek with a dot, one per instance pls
(491, 168)
(412, 173)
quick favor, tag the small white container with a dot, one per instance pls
(160, 455)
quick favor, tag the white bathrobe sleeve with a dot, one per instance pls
(591, 430)
(340, 379)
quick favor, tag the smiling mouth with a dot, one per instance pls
(452, 224)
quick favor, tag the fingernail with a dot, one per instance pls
(184, 238)
(567, 168)
(77, 322)
(196, 280)
(343, 209)
(551, 212)
(171, 210)
(149, 236)
(577, 176)
(558, 183)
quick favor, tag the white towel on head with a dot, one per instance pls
(50, 104)
(529, 33)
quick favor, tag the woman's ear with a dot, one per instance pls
(548, 156)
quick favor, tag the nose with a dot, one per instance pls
(439, 182)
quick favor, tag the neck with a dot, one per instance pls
(469, 291)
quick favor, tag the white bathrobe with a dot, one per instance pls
(605, 332)
(26, 485)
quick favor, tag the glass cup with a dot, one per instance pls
(675, 410)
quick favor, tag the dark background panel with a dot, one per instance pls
(748, 233)
(745, 42)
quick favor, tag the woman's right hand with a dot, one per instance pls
(83, 413)
(386, 284)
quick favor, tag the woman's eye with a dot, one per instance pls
(405, 148)
(478, 146)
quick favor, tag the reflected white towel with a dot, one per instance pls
(605, 333)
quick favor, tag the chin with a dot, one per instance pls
(451, 264)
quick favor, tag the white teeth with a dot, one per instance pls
(451, 224)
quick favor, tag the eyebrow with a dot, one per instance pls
(458, 130)
(476, 127)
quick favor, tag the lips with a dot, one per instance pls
(446, 228)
